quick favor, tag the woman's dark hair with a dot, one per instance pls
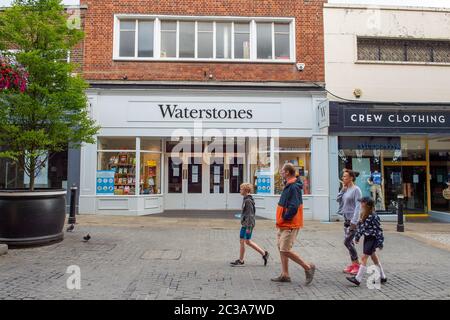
(351, 173)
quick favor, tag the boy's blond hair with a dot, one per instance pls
(247, 187)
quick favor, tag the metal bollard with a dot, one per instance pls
(73, 198)
(400, 225)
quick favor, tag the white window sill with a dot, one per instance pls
(278, 61)
(408, 63)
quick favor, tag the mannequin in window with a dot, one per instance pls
(376, 182)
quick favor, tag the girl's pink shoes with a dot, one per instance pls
(352, 269)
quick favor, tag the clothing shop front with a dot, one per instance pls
(397, 151)
(175, 149)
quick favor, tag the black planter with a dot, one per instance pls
(32, 218)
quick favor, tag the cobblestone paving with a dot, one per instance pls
(185, 262)
(443, 238)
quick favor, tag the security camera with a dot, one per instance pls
(300, 66)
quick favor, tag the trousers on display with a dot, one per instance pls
(377, 192)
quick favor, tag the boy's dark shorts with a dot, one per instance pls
(370, 245)
(244, 235)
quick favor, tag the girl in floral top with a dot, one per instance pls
(369, 226)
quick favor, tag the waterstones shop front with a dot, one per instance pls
(190, 149)
(397, 150)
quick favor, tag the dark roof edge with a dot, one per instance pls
(284, 86)
(394, 103)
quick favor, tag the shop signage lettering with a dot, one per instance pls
(173, 111)
(368, 146)
(370, 143)
(370, 118)
(396, 118)
(359, 118)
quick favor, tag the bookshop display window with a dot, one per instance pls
(272, 156)
(116, 173)
(117, 170)
(150, 168)
(260, 166)
(298, 152)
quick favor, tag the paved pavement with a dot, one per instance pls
(187, 258)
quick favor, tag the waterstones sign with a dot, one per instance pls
(376, 118)
(154, 111)
(174, 111)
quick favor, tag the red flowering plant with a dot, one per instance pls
(12, 75)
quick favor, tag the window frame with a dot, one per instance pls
(138, 152)
(387, 62)
(214, 19)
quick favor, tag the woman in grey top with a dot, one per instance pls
(349, 207)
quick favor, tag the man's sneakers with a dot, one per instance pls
(310, 274)
(281, 279)
(353, 280)
(237, 263)
(383, 280)
(265, 257)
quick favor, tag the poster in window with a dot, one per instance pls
(105, 182)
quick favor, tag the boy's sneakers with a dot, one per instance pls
(265, 257)
(237, 263)
(310, 274)
(353, 280)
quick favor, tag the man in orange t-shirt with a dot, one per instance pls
(289, 219)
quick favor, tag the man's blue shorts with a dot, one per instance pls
(244, 235)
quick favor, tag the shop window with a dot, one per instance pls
(388, 167)
(117, 143)
(150, 182)
(11, 176)
(440, 174)
(150, 144)
(413, 149)
(116, 166)
(150, 166)
(260, 165)
(298, 153)
(266, 163)
(116, 173)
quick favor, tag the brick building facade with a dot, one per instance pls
(99, 28)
